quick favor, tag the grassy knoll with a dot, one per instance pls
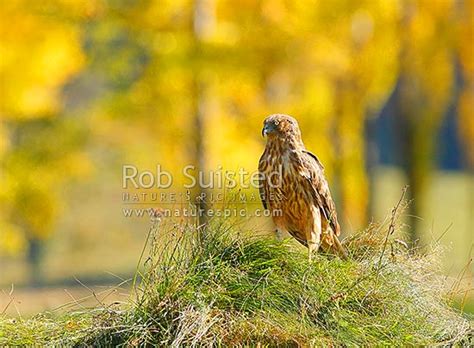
(219, 285)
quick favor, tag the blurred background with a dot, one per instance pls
(383, 91)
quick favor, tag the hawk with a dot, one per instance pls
(294, 189)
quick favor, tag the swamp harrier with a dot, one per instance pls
(294, 189)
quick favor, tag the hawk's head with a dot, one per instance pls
(281, 126)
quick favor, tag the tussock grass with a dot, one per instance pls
(218, 285)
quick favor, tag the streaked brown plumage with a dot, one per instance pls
(300, 200)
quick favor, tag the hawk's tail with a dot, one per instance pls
(339, 249)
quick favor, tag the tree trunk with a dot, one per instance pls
(203, 24)
(370, 162)
(34, 261)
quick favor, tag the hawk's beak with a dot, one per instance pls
(265, 130)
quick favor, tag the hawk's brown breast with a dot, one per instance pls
(287, 196)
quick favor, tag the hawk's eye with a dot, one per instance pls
(276, 123)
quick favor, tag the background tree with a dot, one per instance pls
(423, 93)
(42, 148)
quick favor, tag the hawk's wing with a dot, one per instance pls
(315, 158)
(313, 170)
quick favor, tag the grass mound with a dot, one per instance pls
(218, 286)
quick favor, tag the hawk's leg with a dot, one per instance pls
(314, 236)
(313, 247)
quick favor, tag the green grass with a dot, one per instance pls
(219, 285)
